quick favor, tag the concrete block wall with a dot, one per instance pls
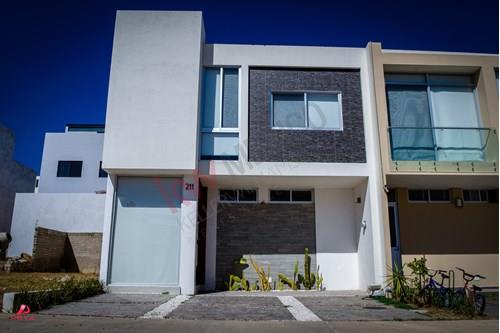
(273, 234)
(83, 252)
(55, 250)
(48, 249)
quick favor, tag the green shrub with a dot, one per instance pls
(59, 293)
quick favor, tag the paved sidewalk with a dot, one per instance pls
(50, 324)
(110, 305)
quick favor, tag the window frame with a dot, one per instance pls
(219, 128)
(481, 199)
(291, 201)
(338, 93)
(238, 195)
(428, 85)
(428, 201)
(101, 170)
(69, 170)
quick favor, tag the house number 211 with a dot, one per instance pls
(189, 186)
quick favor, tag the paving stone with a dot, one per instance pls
(110, 305)
(356, 308)
(232, 308)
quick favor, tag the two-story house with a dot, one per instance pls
(216, 151)
(69, 196)
(367, 157)
(437, 124)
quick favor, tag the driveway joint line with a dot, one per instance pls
(298, 310)
(163, 310)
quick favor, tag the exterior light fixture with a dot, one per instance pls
(459, 202)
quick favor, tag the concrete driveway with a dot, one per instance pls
(50, 324)
(298, 306)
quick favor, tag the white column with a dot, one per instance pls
(211, 241)
(189, 214)
(107, 227)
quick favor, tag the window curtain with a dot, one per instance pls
(456, 107)
(409, 109)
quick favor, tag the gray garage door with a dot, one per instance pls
(146, 235)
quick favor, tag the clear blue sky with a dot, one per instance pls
(55, 56)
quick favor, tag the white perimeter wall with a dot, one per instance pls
(70, 212)
(72, 146)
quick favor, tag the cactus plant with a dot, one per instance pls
(292, 283)
(308, 280)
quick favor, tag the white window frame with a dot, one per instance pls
(238, 195)
(306, 114)
(481, 199)
(428, 196)
(291, 198)
(219, 128)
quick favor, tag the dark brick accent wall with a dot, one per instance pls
(48, 250)
(270, 145)
(55, 250)
(274, 234)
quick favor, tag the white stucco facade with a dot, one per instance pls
(72, 146)
(69, 212)
(152, 130)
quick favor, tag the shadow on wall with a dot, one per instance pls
(55, 251)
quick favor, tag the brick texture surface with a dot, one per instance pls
(273, 234)
(83, 252)
(54, 251)
(48, 249)
(271, 145)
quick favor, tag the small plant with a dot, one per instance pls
(236, 282)
(419, 271)
(319, 280)
(308, 280)
(292, 283)
(264, 283)
(398, 283)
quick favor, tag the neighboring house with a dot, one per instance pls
(438, 131)
(69, 195)
(71, 161)
(220, 151)
(14, 178)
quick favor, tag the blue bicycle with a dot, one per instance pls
(436, 293)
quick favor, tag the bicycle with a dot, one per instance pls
(471, 294)
(437, 293)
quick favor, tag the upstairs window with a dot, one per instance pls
(299, 196)
(102, 173)
(69, 169)
(434, 117)
(220, 122)
(306, 110)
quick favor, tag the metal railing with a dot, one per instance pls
(443, 149)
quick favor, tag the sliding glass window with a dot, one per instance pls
(434, 117)
(306, 110)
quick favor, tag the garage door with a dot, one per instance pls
(146, 235)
